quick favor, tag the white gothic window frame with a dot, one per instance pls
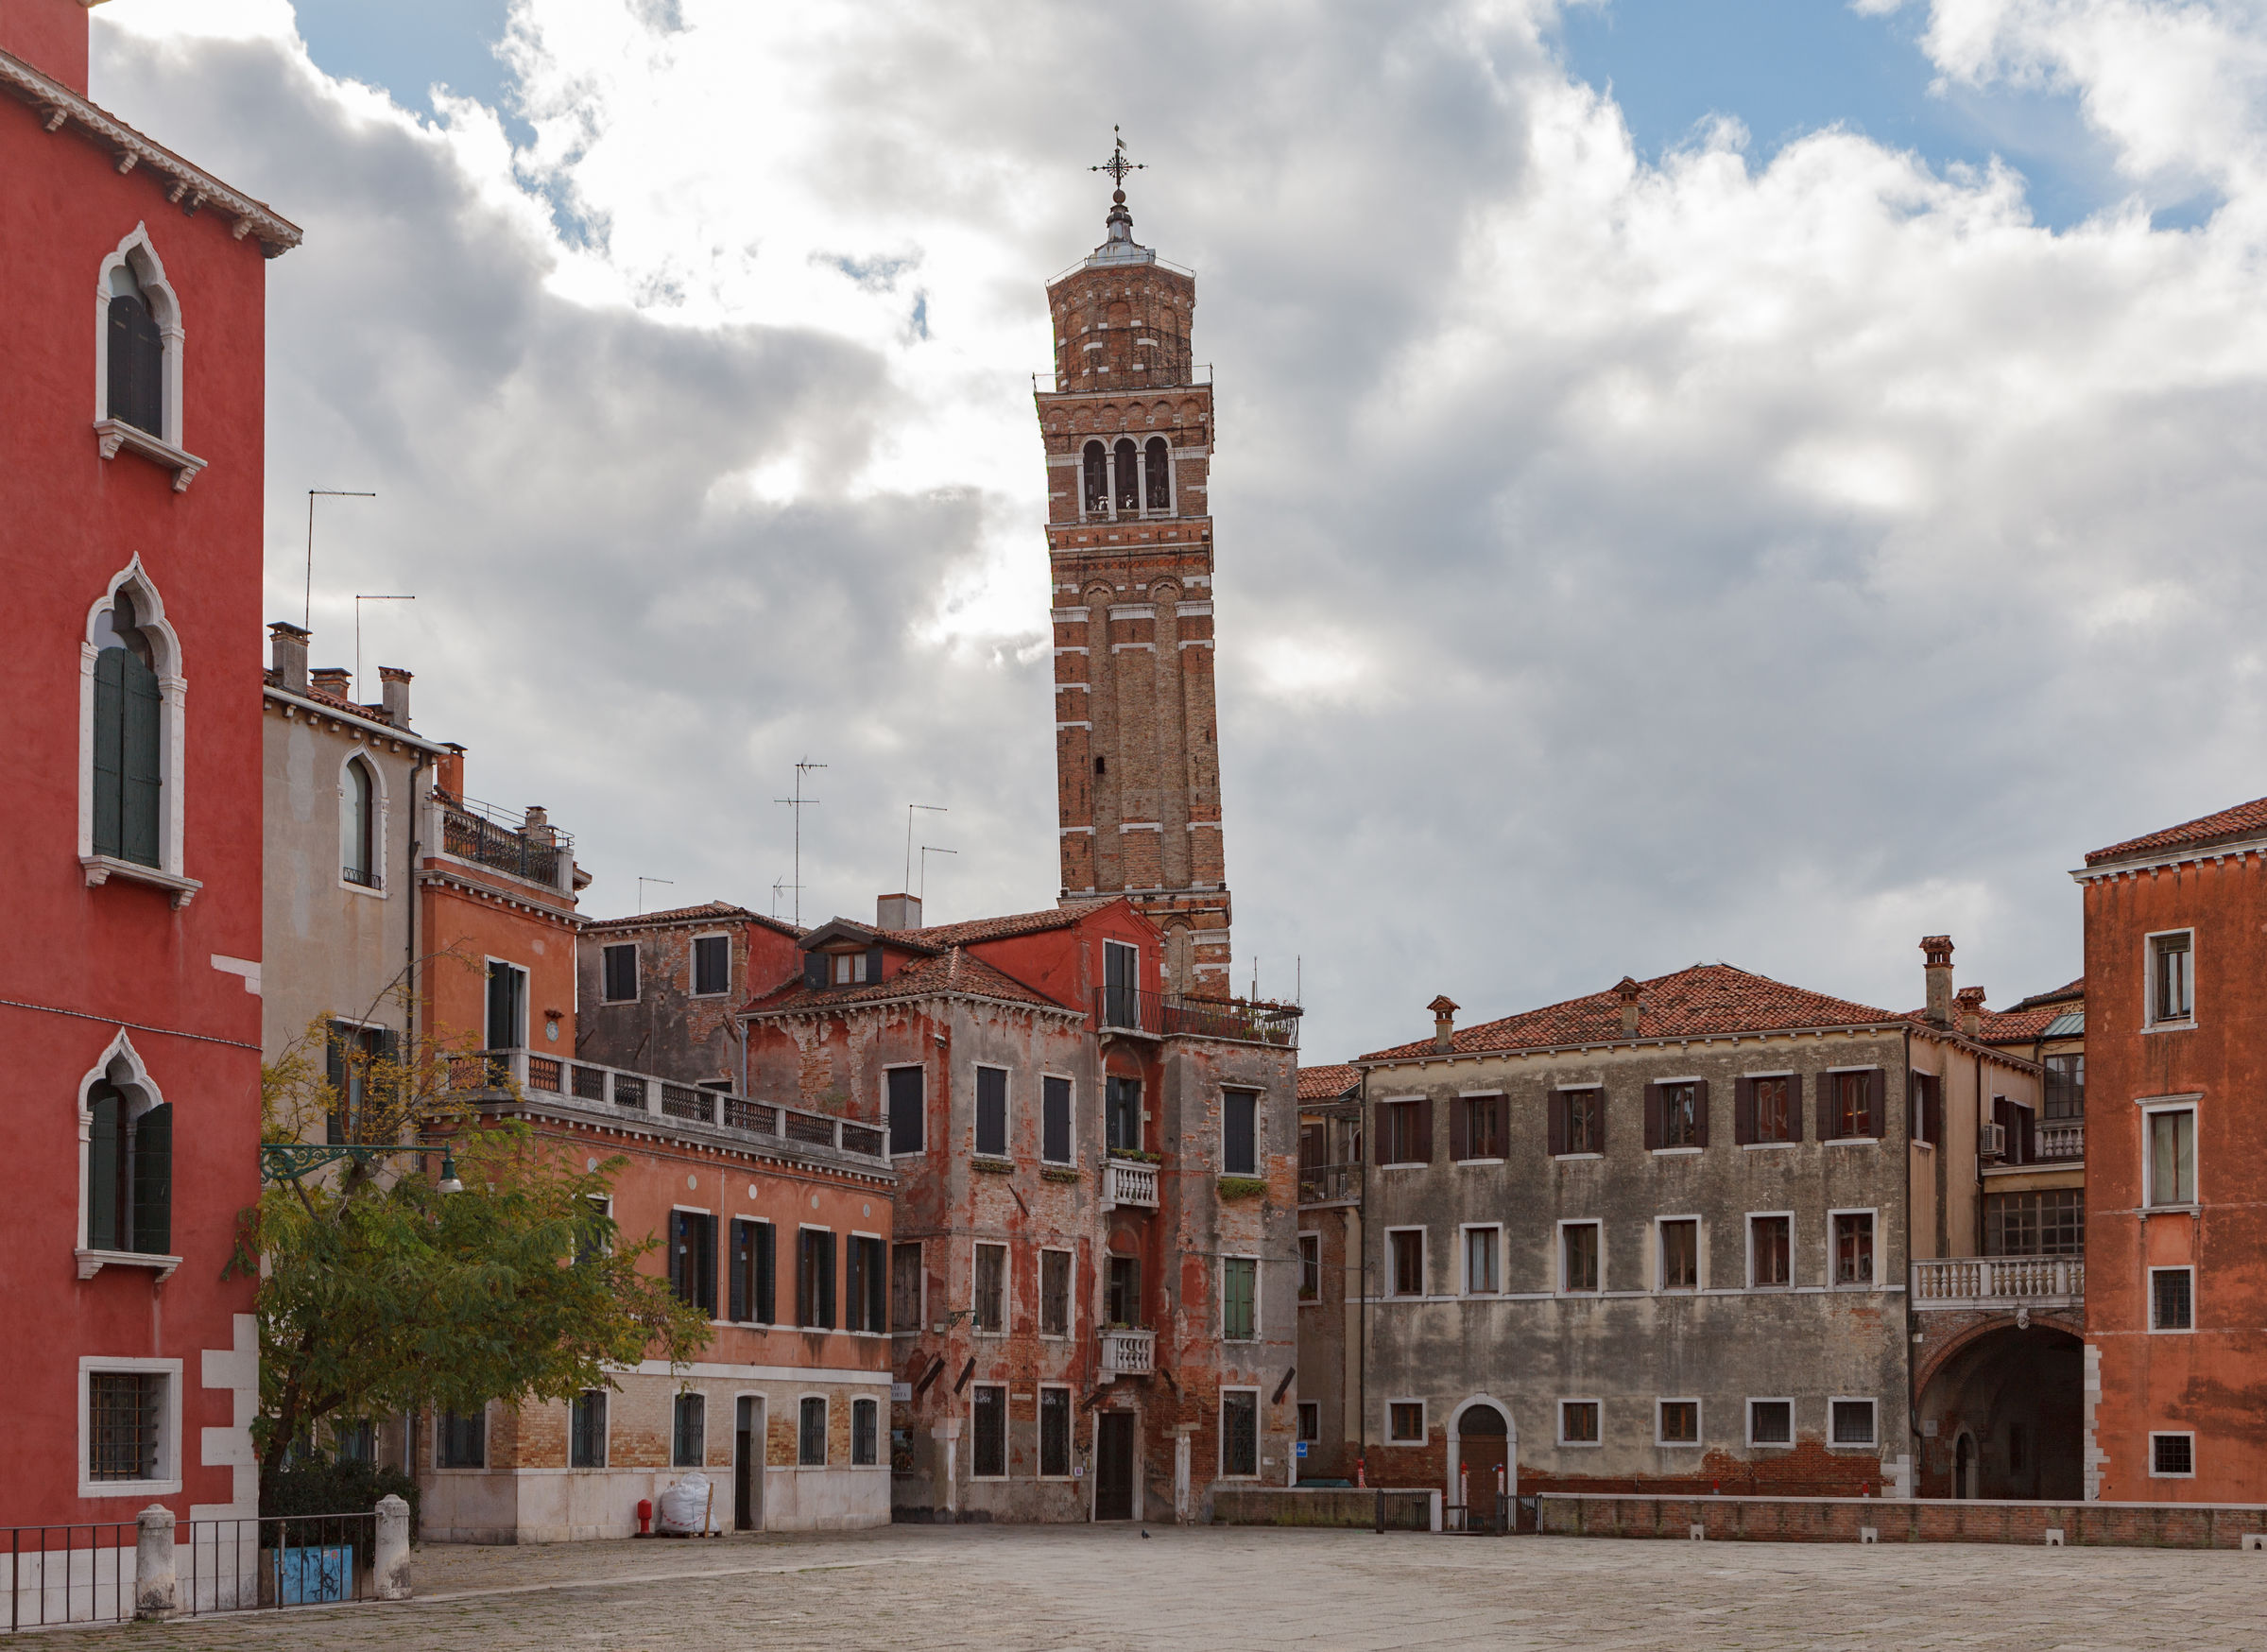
(173, 696)
(169, 446)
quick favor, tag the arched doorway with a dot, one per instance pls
(1481, 1459)
(2003, 1416)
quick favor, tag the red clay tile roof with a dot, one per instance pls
(1327, 1083)
(2243, 821)
(2062, 995)
(706, 910)
(955, 971)
(983, 929)
(1706, 998)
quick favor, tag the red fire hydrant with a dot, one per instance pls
(645, 1517)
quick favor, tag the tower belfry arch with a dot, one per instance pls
(1127, 418)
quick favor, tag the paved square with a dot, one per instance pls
(1005, 1589)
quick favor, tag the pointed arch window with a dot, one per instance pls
(129, 1196)
(358, 824)
(1129, 474)
(1157, 476)
(128, 712)
(1096, 493)
(139, 342)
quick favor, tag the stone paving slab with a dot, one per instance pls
(1107, 1588)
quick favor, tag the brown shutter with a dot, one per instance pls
(1795, 1106)
(1460, 1128)
(1743, 1111)
(1598, 1136)
(1424, 1130)
(1877, 1102)
(1700, 1113)
(1825, 1107)
(1653, 1117)
(1554, 1113)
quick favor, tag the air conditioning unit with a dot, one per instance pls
(1992, 1140)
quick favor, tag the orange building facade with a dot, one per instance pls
(2176, 1164)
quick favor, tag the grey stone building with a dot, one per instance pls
(1658, 1236)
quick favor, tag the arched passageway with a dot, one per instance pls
(2008, 1415)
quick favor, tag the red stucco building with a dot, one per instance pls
(2177, 1162)
(132, 319)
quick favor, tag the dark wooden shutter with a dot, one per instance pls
(153, 1182)
(137, 361)
(1877, 1103)
(815, 969)
(736, 1296)
(1700, 1113)
(104, 1148)
(1421, 1149)
(1744, 1110)
(873, 962)
(1460, 1128)
(1598, 1109)
(110, 750)
(825, 1279)
(1795, 1106)
(138, 803)
(1653, 1117)
(766, 1274)
(1554, 1127)
(1825, 1107)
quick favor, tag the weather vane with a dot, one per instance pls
(1117, 166)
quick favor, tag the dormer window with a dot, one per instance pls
(846, 968)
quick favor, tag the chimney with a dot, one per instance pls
(897, 912)
(1970, 1000)
(1626, 991)
(50, 35)
(449, 774)
(536, 824)
(393, 690)
(287, 648)
(332, 679)
(1444, 1022)
(1936, 953)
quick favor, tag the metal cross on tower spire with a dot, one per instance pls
(1117, 166)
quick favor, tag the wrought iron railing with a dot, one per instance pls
(68, 1574)
(1329, 1184)
(1178, 1015)
(502, 839)
(244, 1565)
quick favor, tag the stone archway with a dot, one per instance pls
(2003, 1415)
(1483, 1441)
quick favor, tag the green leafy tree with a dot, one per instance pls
(380, 1293)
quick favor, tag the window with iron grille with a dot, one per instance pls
(2173, 1455)
(126, 1415)
(689, 1437)
(905, 1113)
(2172, 1299)
(810, 1434)
(865, 1433)
(2048, 1222)
(1238, 1297)
(1055, 1120)
(711, 965)
(990, 1304)
(1055, 1433)
(1240, 1132)
(1405, 1261)
(1055, 1292)
(460, 1439)
(1771, 1422)
(1854, 1249)
(619, 968)
(987, 1413)
(586, 1430)
(1238, 1433)
(1851, 1422)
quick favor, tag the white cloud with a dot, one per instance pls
(1619, 564)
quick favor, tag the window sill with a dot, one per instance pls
(90, 1490)
(2185, 1024)
(1497, 1159)
(356, 887)
(1766, 1147)
(1675, 1152)
(101, 868)
(1576, 1158)
(93, 1262)
(2148, 1211)
(114, 433)
(1852, 1141)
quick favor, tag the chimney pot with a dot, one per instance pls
(1626, 991)
(332, 679)
(1970, 1000)
(1936, 971)
(287, 647)
(1444, 1022)
(897, 912)
(394, 692)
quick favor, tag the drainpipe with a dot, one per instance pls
(1362, 1311)
(417, 767)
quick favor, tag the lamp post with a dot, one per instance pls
(289, 1160)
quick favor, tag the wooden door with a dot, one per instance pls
(1114, 1466)
(747, 1465)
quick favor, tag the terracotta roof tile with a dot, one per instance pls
(2064, 994)
(983, 929)
(953, 971)
(719, 910)
(1706, 998)
(2243, 821)
(1327, 1083)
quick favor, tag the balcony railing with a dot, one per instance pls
(1329, 1184)
(1174, 1015)
(1127, 1182)
(502, 839)
(1128, 1353)
(611, 1089)
(2058, 1141)
(2000, 1282)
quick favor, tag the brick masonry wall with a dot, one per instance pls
(1842, 1520)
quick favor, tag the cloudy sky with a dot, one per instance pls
(1750, 480)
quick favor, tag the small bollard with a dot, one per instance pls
(392, 1568)
(157, 1581)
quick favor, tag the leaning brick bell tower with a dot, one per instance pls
(1128, 431)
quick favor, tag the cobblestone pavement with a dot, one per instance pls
(1106, 1588)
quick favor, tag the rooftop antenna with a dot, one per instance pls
(798, 803)
(932, 808)
(927, 850)
(307, 601)
(359, 602)
(778, 885)
(641, 883)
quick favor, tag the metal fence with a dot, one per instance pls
(276, 1561)
(70, 1573)
(1174, 1015)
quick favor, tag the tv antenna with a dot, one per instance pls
(932, 808)
(798, 803)
(778, 885)
(927, 851)
(359, 602)
(641, 883)
(307, 601)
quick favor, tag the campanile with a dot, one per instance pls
(1128, 429)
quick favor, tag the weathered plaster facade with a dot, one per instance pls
(673, 1019)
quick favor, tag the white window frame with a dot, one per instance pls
(1007, 1444)
(2151, 1017)
(1700, 1253)
(2192, 1106)
(1072, 1161)
(2157, 1434)
(1558, 1258)
(487, 962)
(1463, 1257)
(380, 806)
(1873, 1407)
(1069, 1330)
(173, 693)
(1700, 1424)
(1750, 1422)
(1424, 1419)
(1038, 1435)
(1007, 1286)
(1465, 1095)
(169, 1482)
(2188, 1330)
(1385, 1101)
(1834, 1262)
(91, 1261)
(1259, 1432)
(725, 1296)
(1560, 1414)
(1299, 1290)
(1755, 1216)
(635, 952)
(825, 1432)
(169, 446)
(692, 964)
(1424, 1265)
(1008, 1110)
(922, 1068)
(1258, 1152)
(1257, 1323)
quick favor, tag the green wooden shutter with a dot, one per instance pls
(103, 1146)
(153, 1182)
(109, 748)
(140, 782)
(766, 1274)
